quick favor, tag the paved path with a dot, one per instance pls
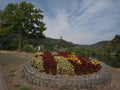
(3, 85)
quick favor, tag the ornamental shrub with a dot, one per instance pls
(37, 63)
(64, 66)
(49, 63)
(28, 48)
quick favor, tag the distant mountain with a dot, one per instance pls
(111, 43)
(116, 41)
(99, 44)
(52, 44)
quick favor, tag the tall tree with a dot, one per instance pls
(23, 19)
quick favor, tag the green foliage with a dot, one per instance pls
(113, 61)
(28, 48)
(8, 42)
(80, 51)
(24, 19)
(37, 63)
(25, 88)
(64, 66)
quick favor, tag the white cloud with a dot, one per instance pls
(86, 22)
(58, 25)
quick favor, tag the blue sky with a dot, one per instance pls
(79, 21)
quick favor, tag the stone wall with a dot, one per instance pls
(96, 80)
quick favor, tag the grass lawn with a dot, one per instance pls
(12, 64)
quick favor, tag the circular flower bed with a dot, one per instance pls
(64, 64)
(66, 71)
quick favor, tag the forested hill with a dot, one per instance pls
(115, 42)
(98, 44)
(55, 44)
(109, 46)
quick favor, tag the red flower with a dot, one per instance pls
(64, 54)
(49, 64)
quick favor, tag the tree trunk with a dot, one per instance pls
(20, 43)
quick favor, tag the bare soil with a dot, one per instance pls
(12, 63)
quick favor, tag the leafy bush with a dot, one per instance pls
(37, 63)
(64, 66)
(50, 64)
(28, 48)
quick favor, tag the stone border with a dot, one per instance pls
(96, 80)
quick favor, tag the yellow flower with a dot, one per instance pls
(94, 62)
(79, 62)
(73, 57)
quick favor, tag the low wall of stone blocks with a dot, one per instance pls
(63, 82)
